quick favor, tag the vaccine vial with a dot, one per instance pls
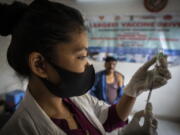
(159, 55)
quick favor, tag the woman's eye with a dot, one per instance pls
(82, 57)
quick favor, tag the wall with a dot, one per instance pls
(8, 78)
(165, 100)
(110, 7)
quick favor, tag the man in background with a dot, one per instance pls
(109, 83)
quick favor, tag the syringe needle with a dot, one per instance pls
(149, 95)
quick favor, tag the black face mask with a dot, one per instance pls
(72, 83)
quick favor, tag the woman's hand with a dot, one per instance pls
(145, 79)
(148, 128)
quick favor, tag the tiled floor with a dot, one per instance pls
(168, 128)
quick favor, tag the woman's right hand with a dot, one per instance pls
(148, 128)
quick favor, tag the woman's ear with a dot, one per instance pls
(38, 65)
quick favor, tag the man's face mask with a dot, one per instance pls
(72, 83)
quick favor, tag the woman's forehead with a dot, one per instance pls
(78, 43)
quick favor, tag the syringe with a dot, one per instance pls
(149, 95)
(160, 54)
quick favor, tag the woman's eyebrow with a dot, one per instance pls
(81, 49)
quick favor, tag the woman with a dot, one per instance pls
(49, 46)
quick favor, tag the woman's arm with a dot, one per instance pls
(125, 106)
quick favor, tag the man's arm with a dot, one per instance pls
(94, 88)
(120, 79)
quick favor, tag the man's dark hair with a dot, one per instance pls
(110, 58)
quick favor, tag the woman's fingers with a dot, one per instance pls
(163, 61)
(164, 72)
(154, 123)
(158, 81)
(148, 64)
(137, 116)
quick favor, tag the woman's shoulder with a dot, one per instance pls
(85, 99)
(88, 100)
(18, 121)
(22, 121)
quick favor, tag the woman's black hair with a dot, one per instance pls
(37, 28)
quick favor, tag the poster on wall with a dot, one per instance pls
(134, 38)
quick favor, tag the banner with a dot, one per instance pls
(134, 38)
